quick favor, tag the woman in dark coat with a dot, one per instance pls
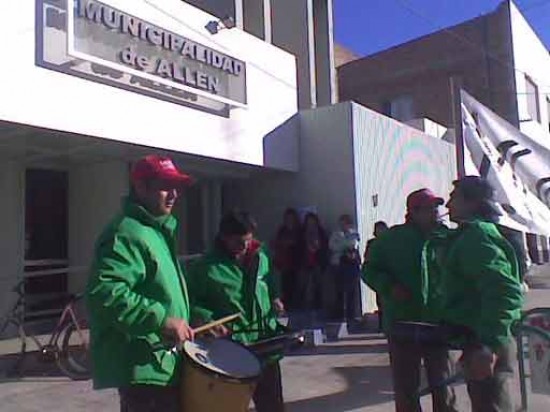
(286, 259)
(314, 262)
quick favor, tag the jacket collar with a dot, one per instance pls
(163, 223)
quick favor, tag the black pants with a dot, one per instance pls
(289, 286)
(406, 359)
(268, 396)
(150, 398)
(494, 394)
(380, 313)
(347, 288)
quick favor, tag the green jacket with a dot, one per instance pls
(219, 287)
(135, 283)
(480, 285)
(395, 258)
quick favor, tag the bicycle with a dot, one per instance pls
(68, 343)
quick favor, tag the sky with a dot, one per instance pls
(369, 26)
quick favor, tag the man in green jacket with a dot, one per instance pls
(394, 271)
(137, 295)
(481, 290)
(236, 277)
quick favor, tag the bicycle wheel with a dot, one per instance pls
(73, 359)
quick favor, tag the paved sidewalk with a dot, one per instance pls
(345, 376)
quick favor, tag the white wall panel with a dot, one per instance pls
(391, 160)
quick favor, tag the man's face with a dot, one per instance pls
(345, 225)
(236, 245)
(158, 196)
(426, 216)
(459, 208)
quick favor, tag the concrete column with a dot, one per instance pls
(96, 193)
(324, 53)
(257, 18)
(239, 14)
(293, 31)
(12, 222)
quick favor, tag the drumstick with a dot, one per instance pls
(215, 323)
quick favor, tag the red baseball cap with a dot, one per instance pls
(161, 168)
(422, 198)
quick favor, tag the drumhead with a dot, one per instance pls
(224, 357)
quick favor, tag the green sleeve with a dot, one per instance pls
(118, 270)
(374, 272)
(498, 289)
(197, 283)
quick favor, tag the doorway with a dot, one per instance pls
(46, 241)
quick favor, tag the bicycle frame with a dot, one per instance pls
(68, 312)
(17, 317)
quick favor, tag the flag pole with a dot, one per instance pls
(455, 85)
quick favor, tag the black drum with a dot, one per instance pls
(429, 334)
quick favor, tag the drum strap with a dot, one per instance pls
(251, 272)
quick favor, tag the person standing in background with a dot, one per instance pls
(314, 255)
(379, 228)
(286, 256)
(345, 266)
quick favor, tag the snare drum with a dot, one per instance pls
(218, 375)
(429, 334)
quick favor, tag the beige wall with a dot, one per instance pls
(422, 68)
(531, 57)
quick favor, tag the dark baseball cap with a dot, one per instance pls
(161, 168)
(422, 198)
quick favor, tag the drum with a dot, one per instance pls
(218, 375)
(429, 334)
(277, 345)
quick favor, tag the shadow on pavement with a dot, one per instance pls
(340, 349)
(14, 367)
(367, 386)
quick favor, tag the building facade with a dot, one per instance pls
(93, 85)
(497, 58)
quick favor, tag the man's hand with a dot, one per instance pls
(220, 331)
(178, 329)
(279, 306)
(479, 363)
(400, 293)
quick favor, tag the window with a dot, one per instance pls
(400, 108)
(533, 106)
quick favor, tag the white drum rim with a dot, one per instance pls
(219, 374)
